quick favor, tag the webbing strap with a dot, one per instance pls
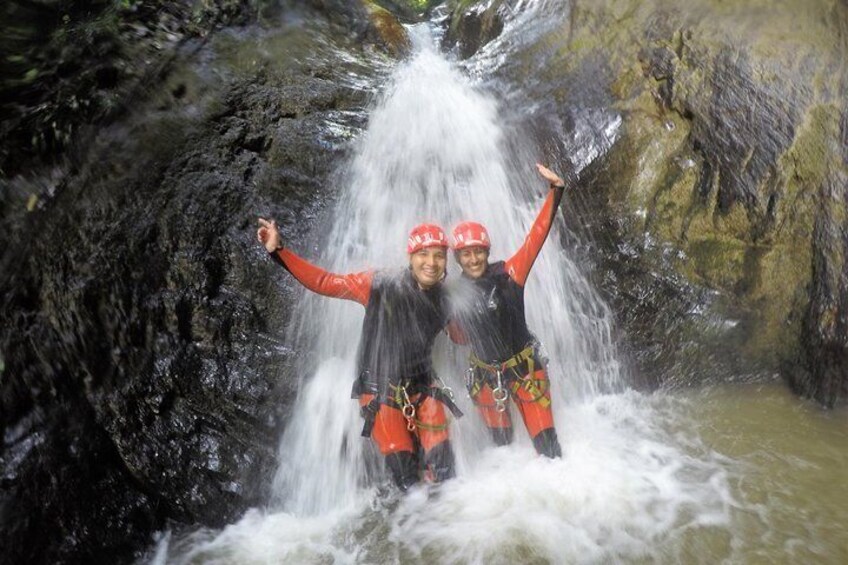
(431, 427)
(525, 354)
(434, 392)
(369, 412)
(439, 395)
(535, 387)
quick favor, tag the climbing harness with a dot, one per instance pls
(407, 396)
(515, 381)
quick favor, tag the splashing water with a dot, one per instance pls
(435, 151)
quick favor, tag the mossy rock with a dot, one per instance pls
(389, 31)
(729, 154)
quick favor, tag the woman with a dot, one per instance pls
(488, 314)
(396, 387)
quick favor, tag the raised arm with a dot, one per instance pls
(354, 286)
(518, 266)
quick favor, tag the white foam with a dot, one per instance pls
(633, 479)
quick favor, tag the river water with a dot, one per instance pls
(743, 473)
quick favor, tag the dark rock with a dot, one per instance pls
(144, 384)
(473, 25)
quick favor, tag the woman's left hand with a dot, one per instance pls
(550, 176)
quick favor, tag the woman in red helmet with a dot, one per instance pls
(488, 314)
(403, 408)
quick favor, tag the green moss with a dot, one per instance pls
(628, 82)
(759, 253)
(734, 223)
(660, 180)
(419, 5)
(388, 27)
(716, 262)
(811, 153)
(674, 201)
(776, 288)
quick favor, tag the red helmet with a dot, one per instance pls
(470, 234)
(426, 235)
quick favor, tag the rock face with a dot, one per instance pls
(71, 63)
(719, 212)
(143, 383)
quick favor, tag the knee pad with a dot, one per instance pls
(440, 462)
(547, 444)
(404, 468)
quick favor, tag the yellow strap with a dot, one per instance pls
(398, 397)
(475, 389)
(431, 427)
(525, 354)
(537, 392)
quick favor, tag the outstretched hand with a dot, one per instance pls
(550, 176)
(268, 235)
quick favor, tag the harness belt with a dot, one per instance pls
(515, 380)
(400, 398)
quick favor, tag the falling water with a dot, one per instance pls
(436, 150)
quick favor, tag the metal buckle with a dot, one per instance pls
(446, 390)
(408, 410)
(500, 394)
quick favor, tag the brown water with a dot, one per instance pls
(791, 483)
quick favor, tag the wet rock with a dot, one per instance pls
(72, 64)
(473, 24)
(144, 383)
(389, 31)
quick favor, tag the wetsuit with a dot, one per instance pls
(394, 366)
(488, 315)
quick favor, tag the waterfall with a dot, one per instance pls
(436, 149)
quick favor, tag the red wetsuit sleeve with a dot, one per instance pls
(518, 266)
(355, 286)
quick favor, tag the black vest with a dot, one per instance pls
(400, 326)
(490, 310)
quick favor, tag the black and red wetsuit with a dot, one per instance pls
(394, 363)
(488, 314)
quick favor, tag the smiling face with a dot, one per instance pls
(473, 260)
(428, 266)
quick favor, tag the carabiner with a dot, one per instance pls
(500, 394)
(446, 390)
(408, 410)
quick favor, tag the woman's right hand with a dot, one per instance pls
(268, 235)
